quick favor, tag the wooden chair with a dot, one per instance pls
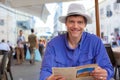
(4, 68)
(112, 59)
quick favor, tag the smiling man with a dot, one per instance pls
(76, 48)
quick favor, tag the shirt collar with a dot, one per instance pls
(80, 43)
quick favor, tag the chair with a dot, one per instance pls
(3, 72)
(112, 59)
(4, 68)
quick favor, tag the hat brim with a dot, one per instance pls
(62, 19)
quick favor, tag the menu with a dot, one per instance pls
(75, 73)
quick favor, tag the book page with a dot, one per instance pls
(83, 72)
(75, 73)
(68, 72)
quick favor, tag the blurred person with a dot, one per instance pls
(104, 38)
(20, 47)
(32, 39)
(117, 36)
(11, 46)
(44, 43)
(112, 40)
(25, 48)
(4, 47)
(76, 48)
(41, 47)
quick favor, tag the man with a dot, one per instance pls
(76, 48)
(32, 39)
(20, 47)
(4, 47)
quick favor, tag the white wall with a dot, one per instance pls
(8, 30)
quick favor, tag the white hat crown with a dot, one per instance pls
(78, 9)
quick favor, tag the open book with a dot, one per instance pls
(75, 73)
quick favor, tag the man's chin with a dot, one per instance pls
(75, 36)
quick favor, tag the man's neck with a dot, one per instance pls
(73, 42)
(32, 33)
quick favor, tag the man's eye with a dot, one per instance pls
(71, 21)
(80, 22)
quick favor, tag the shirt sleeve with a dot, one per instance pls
(8, 47)
(102, 59)
(47, 63)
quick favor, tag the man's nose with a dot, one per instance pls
(75, 24)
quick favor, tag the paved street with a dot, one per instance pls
(26, 71)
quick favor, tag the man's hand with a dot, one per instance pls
(99, 74)
(55, 77)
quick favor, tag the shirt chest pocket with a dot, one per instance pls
(86, 58)
(59, 62)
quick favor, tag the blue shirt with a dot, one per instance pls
(90, 50)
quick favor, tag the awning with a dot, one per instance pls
(33, 7)
(39, 11)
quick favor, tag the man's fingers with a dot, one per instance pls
(59, 77)
(99, 73)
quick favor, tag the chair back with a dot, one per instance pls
(110, 54)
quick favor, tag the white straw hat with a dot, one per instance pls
(76, 9)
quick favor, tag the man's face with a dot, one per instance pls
(75, 26)
(21, 32)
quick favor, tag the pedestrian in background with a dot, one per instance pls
(20, 48)
(4, 47)
(32, 39)
(41, 47)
